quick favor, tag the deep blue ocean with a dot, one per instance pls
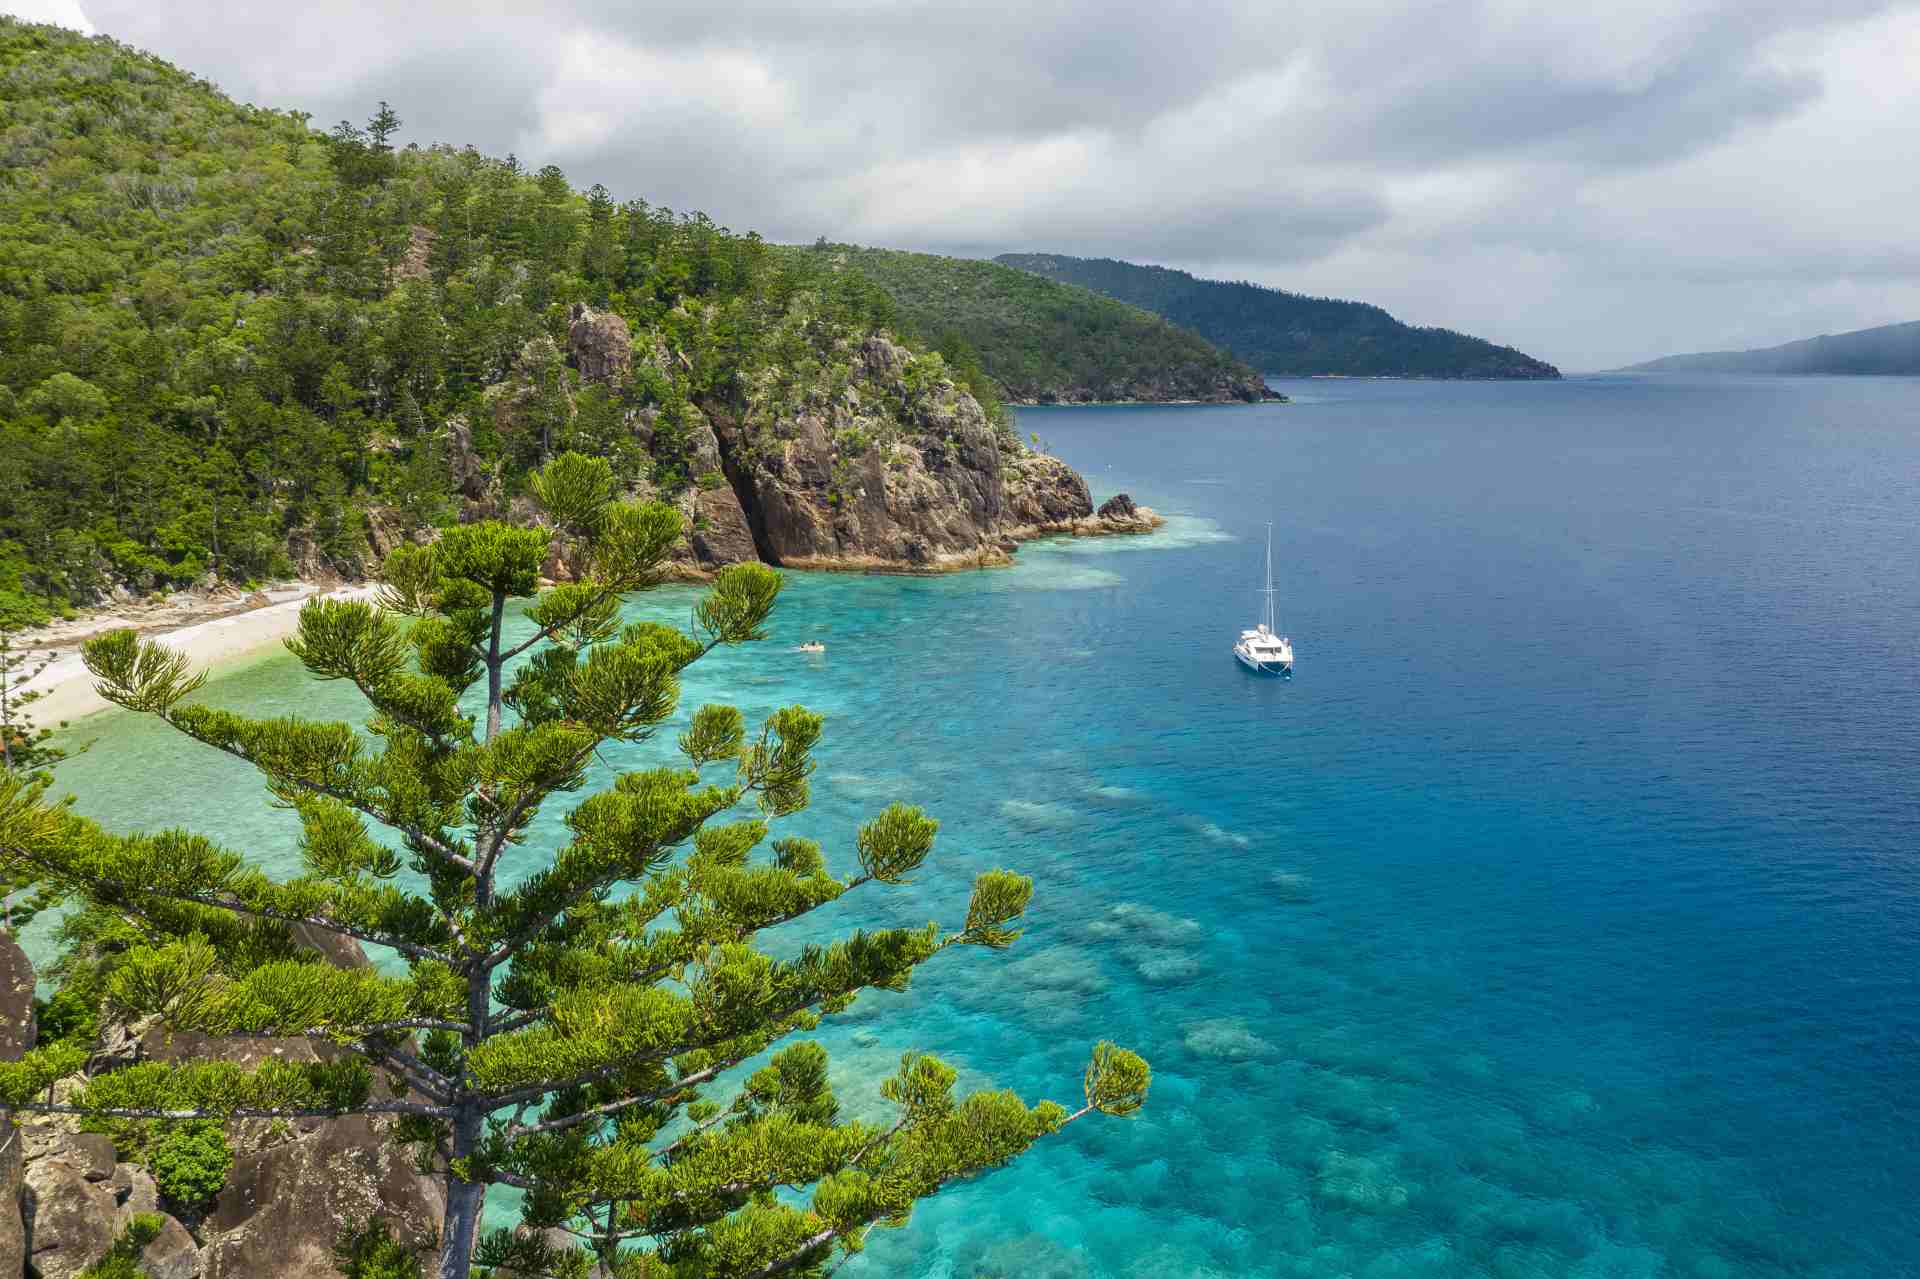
(1560, 917)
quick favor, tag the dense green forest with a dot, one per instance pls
(226, 337)
(1889, 349)
(1039, 339)
(1289, 334)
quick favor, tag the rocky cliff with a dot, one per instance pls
(858, 454)
(896, 469)
(293, 1193)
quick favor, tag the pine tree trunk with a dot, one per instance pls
(465, 1199)
(493, 666)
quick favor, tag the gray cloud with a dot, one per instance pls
(1593, 185)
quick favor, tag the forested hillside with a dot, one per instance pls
(231, 344)
(1889, 349)
(1043, 341)
(1289, 334)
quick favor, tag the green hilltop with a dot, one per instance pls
(235, 346)
(1041, 340)
(226, 338)
(1289, 334)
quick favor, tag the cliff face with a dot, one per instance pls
(896, 471)
(861, 456)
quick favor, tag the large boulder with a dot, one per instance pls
(135, 1190)
(70, 1215)
(286, 1207)
(173, 1254)
(600, 345)
(1044, 494)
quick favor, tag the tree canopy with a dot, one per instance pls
(574, 1029)
(1039, 339)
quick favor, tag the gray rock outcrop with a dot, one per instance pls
(286, 1206)
(172, 1254)
(600, 345)
(70, 1214)
(894, 472)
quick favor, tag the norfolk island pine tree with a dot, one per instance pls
(561, 1036)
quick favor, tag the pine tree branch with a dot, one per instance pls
(720, 1117)
(809, 1246)
(357, 803)
(813, 1243)
(503, 833)
(436, 1086)
(131, 895)
(554, 628)
(777, 1017)
(601, 1111)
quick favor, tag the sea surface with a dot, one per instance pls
(1560, 917)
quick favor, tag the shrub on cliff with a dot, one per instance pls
(190, 1162)
(571, 1032)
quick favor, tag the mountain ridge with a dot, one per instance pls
(1886, 349)
(1046, 341)
(1289, 334)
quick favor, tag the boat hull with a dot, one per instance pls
(1259, 667)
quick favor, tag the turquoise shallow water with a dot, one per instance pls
(1560, 917)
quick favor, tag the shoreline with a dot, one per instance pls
(214, 641)
(1275, 398)
(214, 637)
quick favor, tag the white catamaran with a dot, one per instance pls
(1263, 648)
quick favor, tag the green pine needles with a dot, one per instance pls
(572, 1035)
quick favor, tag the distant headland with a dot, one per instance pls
(1289, 334)
(1888, 349)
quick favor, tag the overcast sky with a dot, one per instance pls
(1594, 184)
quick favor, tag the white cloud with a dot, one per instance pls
(61, 13)
(1593, 185)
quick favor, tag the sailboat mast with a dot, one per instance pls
(1272, 625)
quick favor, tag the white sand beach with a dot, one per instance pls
(68, 688)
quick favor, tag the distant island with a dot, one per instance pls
(1289, 334)
(1889, 349)
(1043, 341)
